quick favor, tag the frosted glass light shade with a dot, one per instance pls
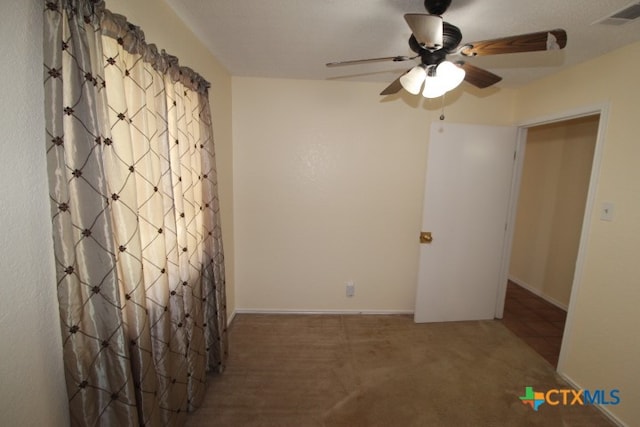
(450, 75)
(433, 87)
(412, 81)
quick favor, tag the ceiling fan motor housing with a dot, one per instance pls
(437, 7)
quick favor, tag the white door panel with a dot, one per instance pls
(468, 183)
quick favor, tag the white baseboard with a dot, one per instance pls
(605, 410)
(301, 311)
(538, 292)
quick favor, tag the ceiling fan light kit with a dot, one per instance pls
(437, 80)
(432, 88)
(432, 39)
(412, 81)
(450, 75)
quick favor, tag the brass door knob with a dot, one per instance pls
(425, 237)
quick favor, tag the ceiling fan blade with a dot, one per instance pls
(427, 29)
(394, 87)
(543, 40)
(369, 60)
(479, 77)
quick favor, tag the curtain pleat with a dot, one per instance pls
(213, 254)
(136, 220)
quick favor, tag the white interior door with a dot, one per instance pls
(466, 203)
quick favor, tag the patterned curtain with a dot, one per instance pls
(135, 216)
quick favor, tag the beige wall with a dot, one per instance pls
(329, 183)
(328, 187)
(162, 27)
(32, 387)
(602, 347)
(553, 192)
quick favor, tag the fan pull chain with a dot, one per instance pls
(442, 110)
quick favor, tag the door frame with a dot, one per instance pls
(601, 110)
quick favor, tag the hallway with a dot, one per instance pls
(537, 322)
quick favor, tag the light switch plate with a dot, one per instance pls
(351, 288)
(606, 211)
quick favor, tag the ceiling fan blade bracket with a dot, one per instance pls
(467, 50)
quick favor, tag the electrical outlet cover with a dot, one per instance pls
(351, 289)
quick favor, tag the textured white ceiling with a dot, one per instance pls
(295, 38)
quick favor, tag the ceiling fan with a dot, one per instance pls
(432, 39)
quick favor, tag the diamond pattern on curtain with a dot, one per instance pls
(135, 214)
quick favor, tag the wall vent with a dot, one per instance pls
(622, 16)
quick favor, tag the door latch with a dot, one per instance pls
(425, 237)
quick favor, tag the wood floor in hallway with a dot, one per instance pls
(534, 320)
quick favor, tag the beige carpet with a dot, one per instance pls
(308, 370)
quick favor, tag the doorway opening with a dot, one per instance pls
(555, 176)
